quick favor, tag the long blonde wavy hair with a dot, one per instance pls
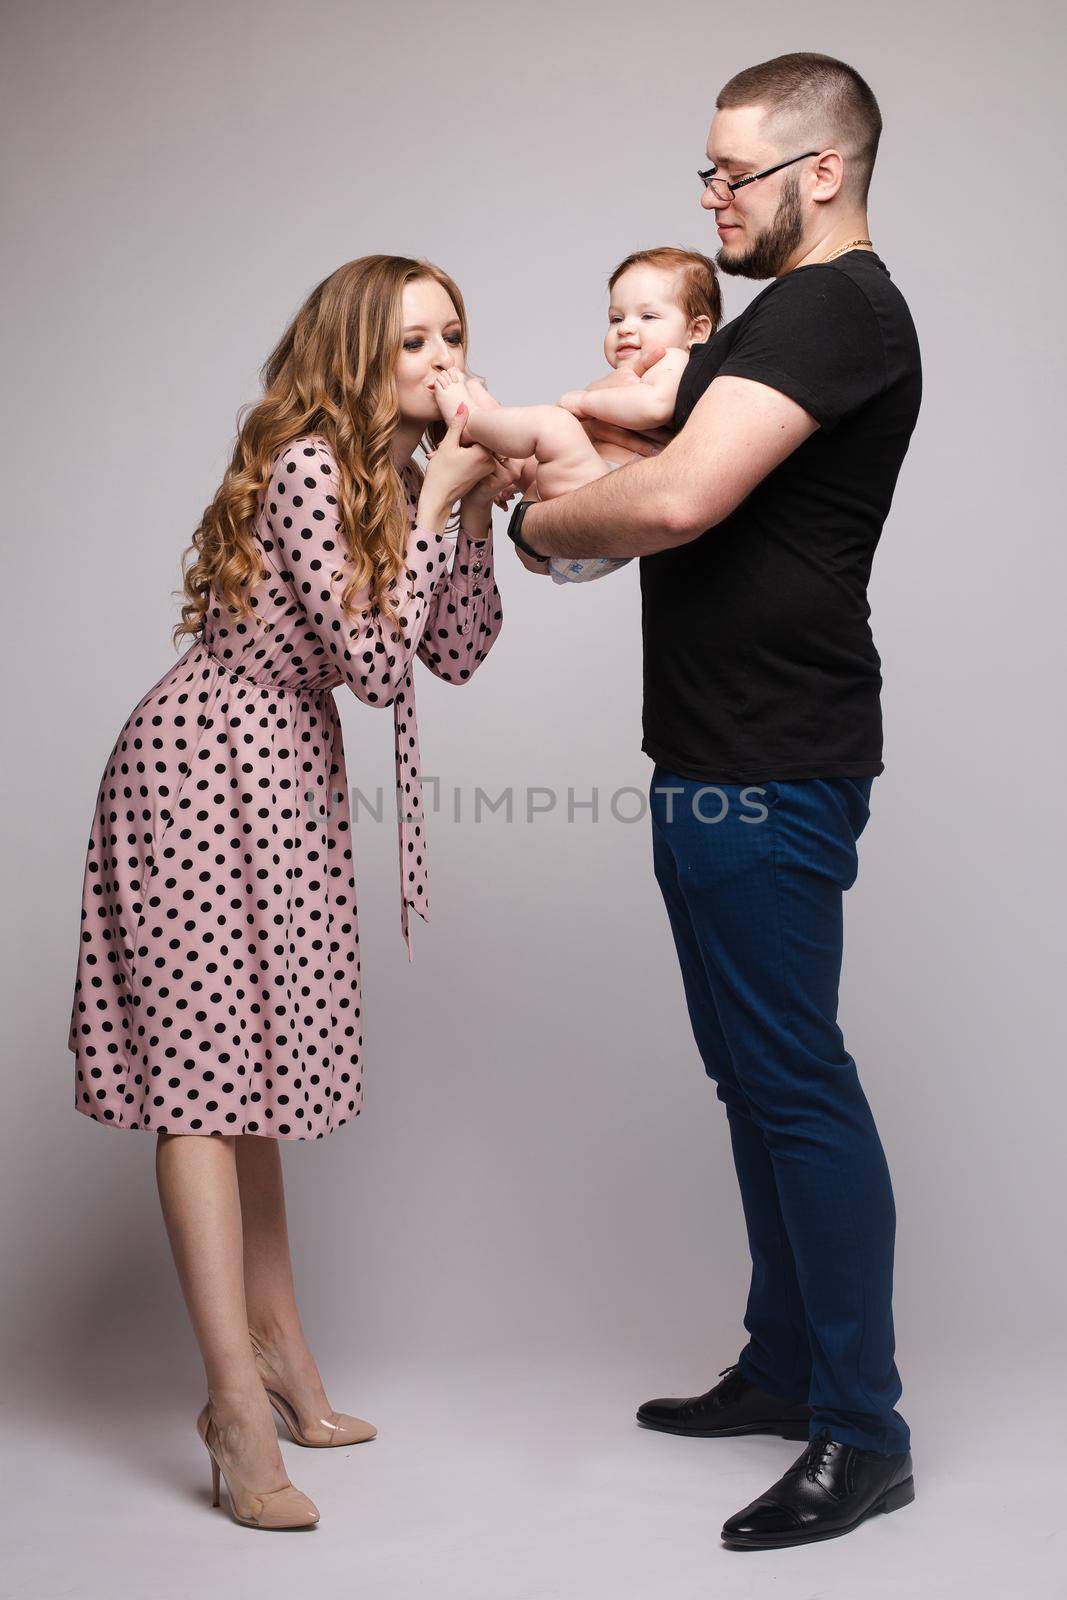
(332, 373)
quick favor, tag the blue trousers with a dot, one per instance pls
(753, 880)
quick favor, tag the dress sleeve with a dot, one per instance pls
(372, 655)
(465, 613)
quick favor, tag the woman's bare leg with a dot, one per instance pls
(197, 1179)
(270, 1296)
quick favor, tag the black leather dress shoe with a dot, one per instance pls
(828, 1491)
(734, 1406)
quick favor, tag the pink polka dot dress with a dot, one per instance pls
(218, 976)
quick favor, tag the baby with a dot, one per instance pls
(663, 302)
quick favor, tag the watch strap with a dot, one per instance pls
(514, 531)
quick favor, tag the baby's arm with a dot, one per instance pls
(647, 402)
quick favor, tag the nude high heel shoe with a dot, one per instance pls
(336, 1429)
(279, 1508)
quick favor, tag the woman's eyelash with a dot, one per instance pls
(416, 344)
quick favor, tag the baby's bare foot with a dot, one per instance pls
(451, 391)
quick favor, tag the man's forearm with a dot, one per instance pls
(740, 430)
(624, 513)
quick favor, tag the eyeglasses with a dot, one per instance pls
(725, 191)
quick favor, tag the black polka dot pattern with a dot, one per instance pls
(218, 977)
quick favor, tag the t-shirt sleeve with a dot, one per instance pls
(815, 338)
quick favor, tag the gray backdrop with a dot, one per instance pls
(539, 1191)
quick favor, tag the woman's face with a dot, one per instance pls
(432, 339)
(644, 312)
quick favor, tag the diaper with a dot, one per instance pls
(564, 569)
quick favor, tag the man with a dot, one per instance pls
(757, 525)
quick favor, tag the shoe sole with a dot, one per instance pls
(782, 1430)
(266, 1527)
(901, 1494)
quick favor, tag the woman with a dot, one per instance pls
(217, 1001)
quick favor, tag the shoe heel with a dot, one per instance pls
(901, 1494)
(215, 1497)
(793, 1430)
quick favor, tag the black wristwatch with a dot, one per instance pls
(514, 533)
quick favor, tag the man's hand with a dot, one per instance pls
(642, 444)
(539, 568)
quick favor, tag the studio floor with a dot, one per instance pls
(511, 1482)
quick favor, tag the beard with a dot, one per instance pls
(769, 252)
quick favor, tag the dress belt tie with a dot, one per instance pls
(409, 800)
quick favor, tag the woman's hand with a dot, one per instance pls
(451, 473)
(497, 488)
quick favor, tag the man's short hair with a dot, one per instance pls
(818, 101)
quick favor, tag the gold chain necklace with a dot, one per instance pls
(853, 244)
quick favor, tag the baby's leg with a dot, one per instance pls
(453, 388)
(479, 394)
(567, 457)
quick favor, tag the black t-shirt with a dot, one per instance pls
(758, 656)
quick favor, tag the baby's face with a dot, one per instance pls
(644, 312)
